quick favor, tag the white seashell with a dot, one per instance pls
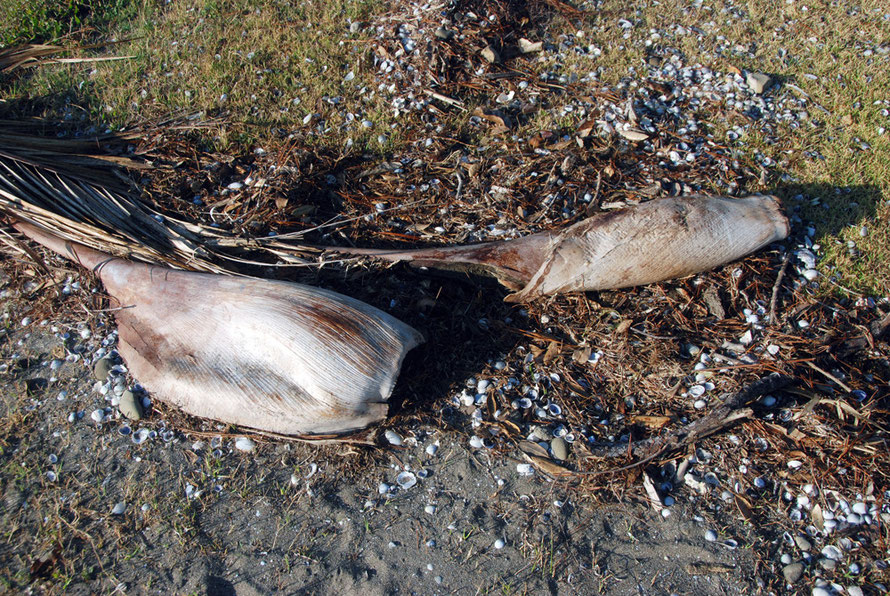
(499, 544)
(794, 464)
(432, 448)
(393, 437)
(406, 480)
(700, 404)
(476, 442)
(245, 444)
(119, 508)
(313, 468)
(383, 488)
(98, 415)
(832, 552)
(696, 391)
(294, 480)
(711, 536)
(430, 509)
(140, 436)
(51, 476)
(525, 469)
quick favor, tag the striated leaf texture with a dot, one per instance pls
(275, 356)
(655, 241)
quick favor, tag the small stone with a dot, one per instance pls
(802, 543)
(499, 544)
(355, 26)
(820, 591)
(444, 34)
(528, 47)
(827, 564)
(245, 444)
(102, 368)
(758, 82)
(490, 55)
(98, 415)
(860, 508)
(119, 509)
(711, 536)
(559, 448)
(129, 406)
(854, 591)
(792, 572)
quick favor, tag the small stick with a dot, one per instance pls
(731, 409)
(444, 98)
(830, 376)
(775, 296)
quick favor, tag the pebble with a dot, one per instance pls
(119, 508)
(499, 543)
(98, 415)
(102, 368)
(792, 572)
(854, 591)
(758, 82)
(802, 543)
(245, 444)
(860, 508)
(711, 536)
(819, 591)
(811, 274)
(432, 448)
(559, 448)
(130, 406)
(827, 564)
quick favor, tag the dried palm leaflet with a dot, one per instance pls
(274, 356)
(651, 242)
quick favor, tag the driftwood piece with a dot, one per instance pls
(274, 356)
(731, 409)
(648, 243)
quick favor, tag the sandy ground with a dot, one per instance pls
(202, 517)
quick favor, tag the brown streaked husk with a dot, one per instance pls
(275, 356)
(647, 243)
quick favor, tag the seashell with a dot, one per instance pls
(406, 480)
(476, 442)
(245, 444)
(432, 448)
(554, 409)
(651, 242)
(98, 415)
(393, 437)
(119, 508)
(276, 356)
(140, 436)
(525, 469)
(51, 476)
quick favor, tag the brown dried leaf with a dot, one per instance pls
(582, 355)
(623, 326)
(654, 422)
(553, 350)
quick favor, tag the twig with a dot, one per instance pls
(445, 99)
(830, 376)
(776, 287)
(730, 410)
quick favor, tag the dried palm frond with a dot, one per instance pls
(275, 356)
(31, 55)
(652, 242)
